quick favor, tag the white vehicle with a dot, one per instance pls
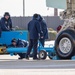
(65, 40)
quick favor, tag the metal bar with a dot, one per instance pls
(23, 7)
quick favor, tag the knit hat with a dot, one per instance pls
(14, 40)
(36, 16)
(6, 14)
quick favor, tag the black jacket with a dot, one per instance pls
(44, 29)
(20, 43)
(6, 25)
(34, 29)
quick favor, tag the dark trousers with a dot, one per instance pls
(33, 43)
(22, 55)
(42, 41)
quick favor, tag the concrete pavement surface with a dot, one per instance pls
(12, 66)
(37, 72)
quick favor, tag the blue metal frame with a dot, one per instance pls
(6, 38)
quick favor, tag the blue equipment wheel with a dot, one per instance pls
(42, 54)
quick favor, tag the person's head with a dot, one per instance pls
(7, 15)
(36, 16)
(14, 42)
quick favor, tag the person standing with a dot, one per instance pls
(44, 30)
(6, 23)
(34, 34)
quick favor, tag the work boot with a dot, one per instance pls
(27, 57)
(20, 58)
(36, 58)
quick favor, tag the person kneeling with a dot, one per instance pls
(19, 43)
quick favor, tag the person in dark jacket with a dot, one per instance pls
(19, 43)
(44, 30)
(34, 34)
(6, 23)
(0, 30)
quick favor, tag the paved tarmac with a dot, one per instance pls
(12, 66)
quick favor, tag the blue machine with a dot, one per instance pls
(6, 38)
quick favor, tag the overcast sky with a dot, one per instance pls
(15, 7)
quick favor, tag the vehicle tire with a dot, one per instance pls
(43, 54)
(65, 44)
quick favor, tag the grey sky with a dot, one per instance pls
(15, 7)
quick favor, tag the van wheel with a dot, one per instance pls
(65, 44)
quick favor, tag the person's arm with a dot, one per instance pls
(3, 26)
(0, 25)
(39, 29)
